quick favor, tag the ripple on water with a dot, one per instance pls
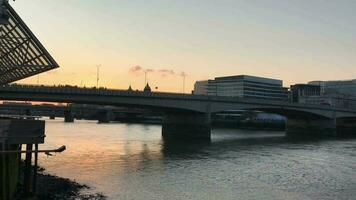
(132, 162)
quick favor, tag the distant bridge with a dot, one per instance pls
(103, 114)
(189, 115)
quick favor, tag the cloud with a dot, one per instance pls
(166, 72)
(138, 70)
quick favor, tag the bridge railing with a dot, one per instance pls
(66, 89)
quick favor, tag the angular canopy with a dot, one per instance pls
(21, 53)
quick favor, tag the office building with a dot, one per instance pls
(340, 93)
(345, 88)
(243, 86)
(201, 87)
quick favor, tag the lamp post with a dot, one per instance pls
(184, 75)
(97, 75)
(145, 78)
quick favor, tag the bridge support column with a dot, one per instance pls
(28, 112)
(310, 127)
(105, 117)
(346, 126)
(68, 116)
(186, 126)
(52, 115)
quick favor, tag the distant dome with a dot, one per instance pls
(147, 88)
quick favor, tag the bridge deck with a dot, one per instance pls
(187, 102)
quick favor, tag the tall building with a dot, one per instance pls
(243, 86)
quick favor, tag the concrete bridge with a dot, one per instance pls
(188, 116)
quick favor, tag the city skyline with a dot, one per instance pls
(296, 41)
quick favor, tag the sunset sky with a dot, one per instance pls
(294, 40)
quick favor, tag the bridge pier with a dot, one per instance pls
(311, 127)
(346, 126)
(52, 115)
(68, 117)
(186, 126)
(105, 117)
(28, 112)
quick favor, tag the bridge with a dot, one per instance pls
(185, 116)
(188, 116)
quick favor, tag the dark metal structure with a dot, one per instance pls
(21, 53)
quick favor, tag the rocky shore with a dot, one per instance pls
(50, 187)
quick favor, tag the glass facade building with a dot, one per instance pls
(345, 88)
(243, 86)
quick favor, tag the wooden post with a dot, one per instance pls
(27, 170)
(2, 173)
(7, 174)
(35, 170)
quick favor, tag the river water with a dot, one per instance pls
(130, 161)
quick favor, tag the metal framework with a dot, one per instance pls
(21, 54)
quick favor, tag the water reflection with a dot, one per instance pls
(236, 140)
(133, 162)
(184, 149)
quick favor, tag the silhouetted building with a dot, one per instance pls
(243, 86)
(130, 89)
(147, 88)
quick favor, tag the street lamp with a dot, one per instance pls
(97, 75)
(184, 75)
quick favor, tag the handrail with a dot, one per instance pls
(58, 150)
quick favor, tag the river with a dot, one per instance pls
(130, 161)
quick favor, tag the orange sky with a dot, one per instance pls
(296, 41)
